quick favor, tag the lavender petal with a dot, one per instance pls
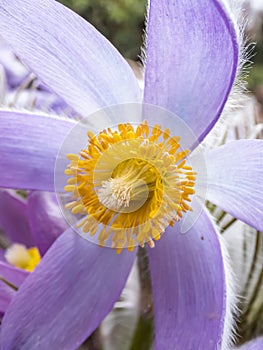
(191, 60)
(188, 283)
(12, 274)
(234, 177)
(6, 295)
(14, 218)
(29, 145)
(67, 296)
(45, 218)
(68, 54)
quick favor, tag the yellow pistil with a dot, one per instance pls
(130, 184)
(18, 255)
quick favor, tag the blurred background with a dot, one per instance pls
(254, 33)
(121, 21)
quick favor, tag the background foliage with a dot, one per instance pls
(121, 21)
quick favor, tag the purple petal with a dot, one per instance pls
(29, 145)
(14, 218)
(188, 283)
(12, 274)
(255, 344)
(2, 254)
(14, 70)
(47, 101)
(68, 54)
(67, 296)
(192, 56)
(42, 100)
(45, 218)
(234, 177)
(6, 295)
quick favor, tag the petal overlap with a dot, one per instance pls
(67, 296)
(6, 295)
(68, 54)
(47, 222)
(29, 146)
(12, 274)
(14, 218)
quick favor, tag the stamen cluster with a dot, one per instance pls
(130, 184)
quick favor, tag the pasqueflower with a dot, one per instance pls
(191, 61)
(31, 225)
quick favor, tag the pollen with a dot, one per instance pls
(18, 255)
(129, 185)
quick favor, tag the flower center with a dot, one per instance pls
(130, 184)
(133, 182)
(18, 255)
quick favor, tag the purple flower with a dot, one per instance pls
(32, 222)
(191, 61)
(15, 72)
(21, 89)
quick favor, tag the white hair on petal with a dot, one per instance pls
(237, 97)
(229, 336)
(142, 56)
(236, 13)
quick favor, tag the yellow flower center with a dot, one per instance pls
(18, 255)
(130, 184)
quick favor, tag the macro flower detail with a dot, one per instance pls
(28, 239)
(18, 255)
(190, 67)
(132, 183)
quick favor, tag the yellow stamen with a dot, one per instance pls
(130, 184)
(18, 255)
